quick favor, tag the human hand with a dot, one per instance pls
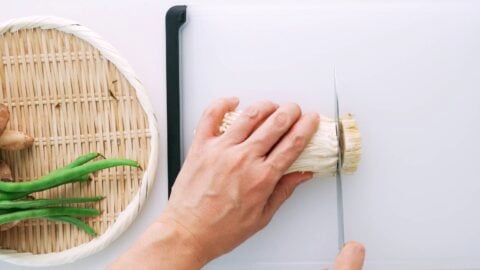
(351, 257)
(231, 185)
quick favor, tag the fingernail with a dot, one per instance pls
(251, 112)
(354, 248)
(313, 115)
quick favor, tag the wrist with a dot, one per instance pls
(185, 242)
(165, 245)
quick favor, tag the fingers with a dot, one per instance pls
(282, 191)
(294, 142)
(249, 120)
(268, 134)
(212, 117)
(351, 257)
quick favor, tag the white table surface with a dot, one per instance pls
(136, 29)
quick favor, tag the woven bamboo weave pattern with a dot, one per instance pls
(73, 101)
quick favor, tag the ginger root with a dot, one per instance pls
(10, 139)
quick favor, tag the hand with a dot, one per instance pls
(351, 257)
(229, 187)
(231, 184)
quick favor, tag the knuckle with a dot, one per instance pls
(285, 193)
(270, 171)
(284, 157)
(251, 112)
(255, 143)
(264, 176)
(298, 142)
(281, 119)
(214, 145)
(241, 156)
(237, 157)
(258, 187)
(264, 221)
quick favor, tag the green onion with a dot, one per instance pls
(38, 203)
(47, 212)
(75, 221)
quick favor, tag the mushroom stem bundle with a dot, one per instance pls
(321, 153)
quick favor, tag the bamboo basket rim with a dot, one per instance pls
(128, 215)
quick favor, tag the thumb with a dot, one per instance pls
(351, 257)
(283, 190)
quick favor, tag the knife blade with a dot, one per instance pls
(341, 230)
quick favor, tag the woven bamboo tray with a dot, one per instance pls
(72, 91)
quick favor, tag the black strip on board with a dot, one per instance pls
(175, 17)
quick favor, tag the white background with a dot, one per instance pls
(415, 78)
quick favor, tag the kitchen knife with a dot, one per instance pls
(341, 230)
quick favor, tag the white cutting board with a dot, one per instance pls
(410, 72)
